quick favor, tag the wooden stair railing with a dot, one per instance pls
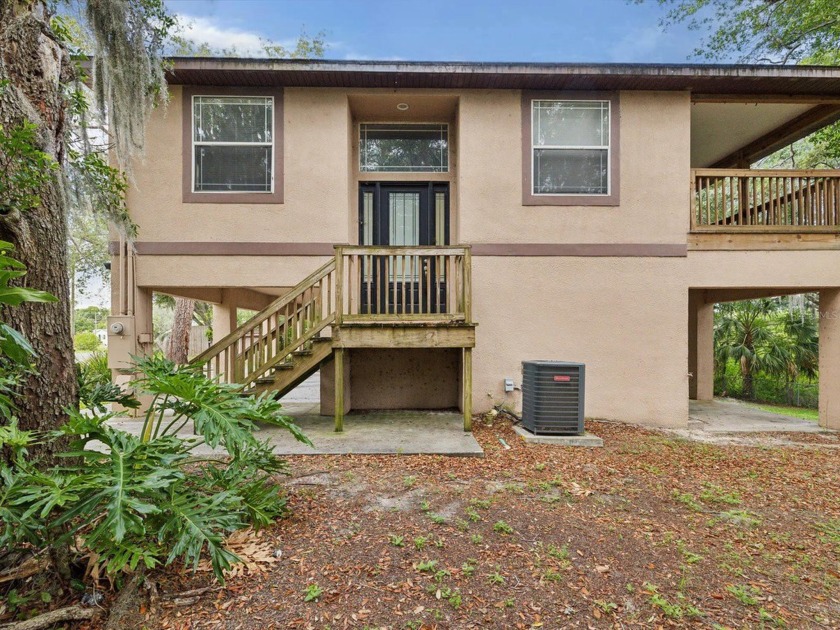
(285, 327)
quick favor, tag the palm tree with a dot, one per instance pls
(762, 336)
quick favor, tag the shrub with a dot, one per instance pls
(143, 500)
(86, 342)
(95, 386)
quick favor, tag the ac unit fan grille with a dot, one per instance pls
(552, 397)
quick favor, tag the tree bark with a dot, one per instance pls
(179, 339)
(49, 619)
(36, 66)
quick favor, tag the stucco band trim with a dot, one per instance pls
(187, 194)
(624, 250)
(197, 248)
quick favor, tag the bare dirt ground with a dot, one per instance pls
(650, 531)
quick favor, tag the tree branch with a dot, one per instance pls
(69, 613)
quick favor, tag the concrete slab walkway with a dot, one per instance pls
(729, 421)
(725, 415)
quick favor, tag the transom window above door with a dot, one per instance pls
(403, 148)
(233, 144)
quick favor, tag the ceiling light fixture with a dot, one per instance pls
(402, 106)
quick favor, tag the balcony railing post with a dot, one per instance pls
(694, 201)
(339, 284)
(467, 285)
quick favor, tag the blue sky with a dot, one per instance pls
(448, 30)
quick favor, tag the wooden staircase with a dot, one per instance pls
(364, 297)
(281, 345)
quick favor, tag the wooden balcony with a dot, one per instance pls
(366, 297)
(763, 200)
(406, 297)
(765, 209)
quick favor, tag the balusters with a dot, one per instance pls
(753, 199)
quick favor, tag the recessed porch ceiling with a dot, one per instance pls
(719, 131)
(421, 107)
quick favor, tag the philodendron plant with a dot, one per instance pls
(143, 500)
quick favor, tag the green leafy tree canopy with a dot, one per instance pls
(774, 31)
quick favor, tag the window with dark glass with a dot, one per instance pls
(233, 144)
(407, 148)
(570, 147)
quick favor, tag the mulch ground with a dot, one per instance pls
(650, 531)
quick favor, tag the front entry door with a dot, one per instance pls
(403, 215)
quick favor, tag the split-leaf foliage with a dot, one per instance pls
(140, 500)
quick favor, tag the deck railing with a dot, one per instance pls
(403, 284)
(726, 200)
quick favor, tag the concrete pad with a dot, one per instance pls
(587, 439)
(726, 415)
(371, 433)
(731, 421)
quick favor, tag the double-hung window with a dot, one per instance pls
(233, 144)
(570, 151)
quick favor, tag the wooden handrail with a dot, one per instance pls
(750, 200)
(408, 285)
(285, 325)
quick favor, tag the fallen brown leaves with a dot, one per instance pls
(648, 532)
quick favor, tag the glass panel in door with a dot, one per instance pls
(403, 215)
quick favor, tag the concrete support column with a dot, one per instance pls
(224, 318)
(701, 347)
(143, 321)
(136, 339)
(830, 358)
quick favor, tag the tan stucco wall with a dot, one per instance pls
(315, 180)
(654, 156)
(711, 269)
(626, 318)
(225, 271)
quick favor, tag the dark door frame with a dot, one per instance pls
(381, 217)
(385, 294)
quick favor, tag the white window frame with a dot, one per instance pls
(408, 124)
(608, 146)
(195, 143)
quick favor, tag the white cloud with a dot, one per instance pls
(202, 30)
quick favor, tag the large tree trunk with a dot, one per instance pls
(36, 66)
(179, 339)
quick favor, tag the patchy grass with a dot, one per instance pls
(785, 410)
(649, 531)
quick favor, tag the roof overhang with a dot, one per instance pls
(812, 81)
(736, 134)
